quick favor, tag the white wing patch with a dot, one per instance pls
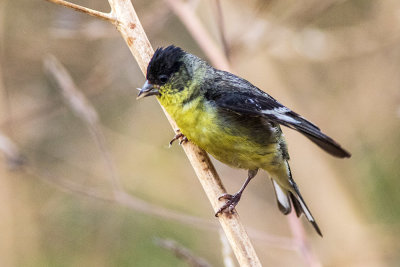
(281, 195)
(280, 114)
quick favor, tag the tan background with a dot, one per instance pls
(335, 62)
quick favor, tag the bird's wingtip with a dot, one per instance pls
(315, 225)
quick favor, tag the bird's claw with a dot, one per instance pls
(230, 205)
(183, 140)
(225, 196)
(176, 137)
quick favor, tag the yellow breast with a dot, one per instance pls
(201, 124)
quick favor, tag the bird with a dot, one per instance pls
(234, 121)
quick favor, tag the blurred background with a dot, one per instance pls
(336, 62)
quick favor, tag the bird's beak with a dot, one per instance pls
(147, 90)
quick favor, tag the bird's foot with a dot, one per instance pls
(183, 140)
(230, 205)
(176, 137)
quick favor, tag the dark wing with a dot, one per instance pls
(238, 95)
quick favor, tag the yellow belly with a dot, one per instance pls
(229, 141)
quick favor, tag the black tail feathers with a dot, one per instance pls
(301, 207)
(293, 197)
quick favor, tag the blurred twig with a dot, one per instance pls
(91, 12)
(302, 244)
(3, 89)
(13, 156)
(221, 28)
(84, 110)
(11, 152)
(95, 83)
(191, 21)
(182, 252)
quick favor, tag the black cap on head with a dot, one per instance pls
(165, 61)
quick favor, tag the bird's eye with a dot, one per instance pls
(163, 78)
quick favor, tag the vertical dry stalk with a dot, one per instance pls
(129, 26)
(193, 24)
(302, 245)
(221, 28)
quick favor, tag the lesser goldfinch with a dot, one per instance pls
(234, 121)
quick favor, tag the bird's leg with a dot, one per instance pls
(176, 137)
(233, 200)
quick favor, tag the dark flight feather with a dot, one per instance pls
(238, 95)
